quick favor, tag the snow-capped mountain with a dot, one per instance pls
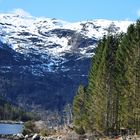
(46, 59)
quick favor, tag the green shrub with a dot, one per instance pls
(44, 132)
(29, 127)
(26, 131)
(80, 130)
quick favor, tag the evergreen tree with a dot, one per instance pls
(112, 100)
(79, 109)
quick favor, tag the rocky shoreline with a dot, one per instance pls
(34, 137)
(63, 133)
(70, 136)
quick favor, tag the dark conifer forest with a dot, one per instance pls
(9, 111)
(111, 100)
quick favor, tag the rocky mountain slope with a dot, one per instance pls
(42, 60)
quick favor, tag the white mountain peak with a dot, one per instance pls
(52, 36)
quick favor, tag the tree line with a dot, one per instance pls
(9, 111)
(111, 100)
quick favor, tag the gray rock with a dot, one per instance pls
(26, 137)
(19, 136)
(36, 137)
(51, 138)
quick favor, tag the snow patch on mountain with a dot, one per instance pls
(48, 41)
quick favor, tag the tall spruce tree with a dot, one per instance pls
(112, 98)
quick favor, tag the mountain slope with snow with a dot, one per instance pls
(25, 32)
(44, 60)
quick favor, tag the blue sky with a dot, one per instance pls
(76, 10)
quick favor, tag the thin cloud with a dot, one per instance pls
(20, 12)
(138, 13)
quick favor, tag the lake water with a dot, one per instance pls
(10, 128)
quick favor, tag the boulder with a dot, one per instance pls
(26, 137)
(20, 136)
(36, 137)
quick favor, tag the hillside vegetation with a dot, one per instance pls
(8, 111)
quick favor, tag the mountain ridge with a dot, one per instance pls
(48, 58)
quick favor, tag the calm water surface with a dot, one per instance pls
(10, 128)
